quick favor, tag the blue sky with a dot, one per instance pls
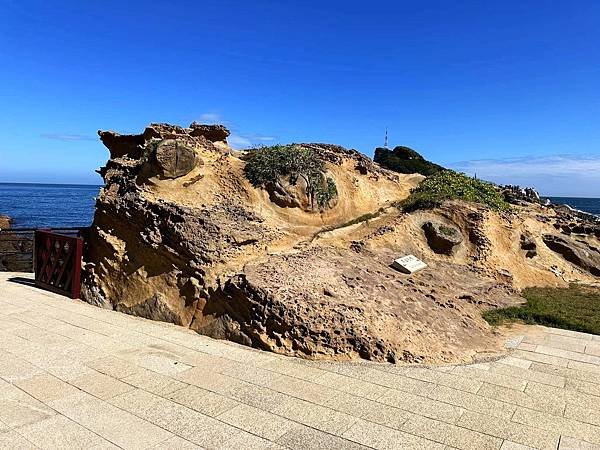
(510, 90)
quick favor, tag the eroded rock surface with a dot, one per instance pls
(579, 253)
(181, 235)
(442, 238)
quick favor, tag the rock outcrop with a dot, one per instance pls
(577, 252)
(442, 238)
(180, 234)
(15, 249)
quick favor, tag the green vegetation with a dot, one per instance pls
(447, 231)
(574, 308)
(266, 165)
(450, 185)
(405, 160)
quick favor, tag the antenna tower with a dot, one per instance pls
(385, 142)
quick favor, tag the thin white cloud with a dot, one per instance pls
(68, 137)
(241, 141)
(211, 118)
(569, 175)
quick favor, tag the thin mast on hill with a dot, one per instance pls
(385, 142)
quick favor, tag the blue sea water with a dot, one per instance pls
(48, 205)
(590, 205)
(70, 205)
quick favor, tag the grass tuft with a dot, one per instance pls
(574, 308)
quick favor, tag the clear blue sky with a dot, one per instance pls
(509, 89)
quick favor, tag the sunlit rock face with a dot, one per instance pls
(181, 235)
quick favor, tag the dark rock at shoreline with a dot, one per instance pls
(16, 251)
(576, 252)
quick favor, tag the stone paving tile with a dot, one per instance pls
(369, 410)
(511, 431)
(562, 425)
(351, 385)
(517, 362)
(508, 445)
(307, 438)
(549, 404)
(586, 367)
(201, 400)
(569, 443)
(541, 358)
(250, 441)
(86, 377)
(452, 380)
(175, 418)
(567, 372)
(529, 375)
(13, 440)
(258, 422)
(316, 416)
(101, 385)
(18, 408)
(380, 437)
(566, 354)
(153, 382)
(582, 414)
(423, 406)
(473, 402)
(489, 376)
(58, 432)
(543, 391)
(176, 443)
(46, 388)
(115, 425)
(451, 435)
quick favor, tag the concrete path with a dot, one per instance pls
(76, 376)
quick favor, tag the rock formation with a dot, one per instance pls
(180, 234)
(15, 249)
(442, 238)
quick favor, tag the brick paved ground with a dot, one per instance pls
(76, 376)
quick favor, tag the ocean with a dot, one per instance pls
(71, 205)
(590, 205)
(48, 205)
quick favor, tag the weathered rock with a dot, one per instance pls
(442, 238)
(16, 250)
(175, 159)
(213, 133)
(529, 245)
(275, 306)
(576, 252)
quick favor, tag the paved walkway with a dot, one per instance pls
(76, 376)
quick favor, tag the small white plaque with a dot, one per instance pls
(408, 264)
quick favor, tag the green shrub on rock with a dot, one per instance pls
(269, 165)
(450, 185)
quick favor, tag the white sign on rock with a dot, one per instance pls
(408, 264)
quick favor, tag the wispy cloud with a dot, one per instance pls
(553, 174)
(68, 137)
(239, 141)
(210, 118)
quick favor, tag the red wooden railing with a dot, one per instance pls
(57, 262)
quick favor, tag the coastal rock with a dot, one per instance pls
(207, 249)
(577, 252)
(15, 249)
(175, 159)
(442, 238)
(528, 244)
